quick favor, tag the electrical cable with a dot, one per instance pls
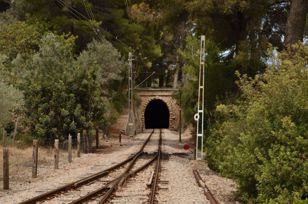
(80, 16)
(73, 9)
(87, 10)
(74, 14)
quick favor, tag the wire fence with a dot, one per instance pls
(35, 156)
(86, 142)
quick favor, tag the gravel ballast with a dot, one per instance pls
(177, 184)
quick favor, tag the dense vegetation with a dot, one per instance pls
(256, 101)
(63, 91)
(263, 135)
(62, 70)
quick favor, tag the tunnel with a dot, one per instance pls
(4, 6)
(156, 115)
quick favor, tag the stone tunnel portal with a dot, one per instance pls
(156, 115)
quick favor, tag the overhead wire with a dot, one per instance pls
(91, 13)
(90, 17)
(116, 37)
(77, 14)
(74, 14)
(87, 10)
(109, 32)
(72, 9)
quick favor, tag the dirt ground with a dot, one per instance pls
(110, 153)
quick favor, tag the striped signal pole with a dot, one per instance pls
(199, 116)
(130, 129)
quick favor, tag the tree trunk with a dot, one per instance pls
(176, 78)
(296, 21)
(97, 137)
(15, 129)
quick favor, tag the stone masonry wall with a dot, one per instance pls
(166, 95)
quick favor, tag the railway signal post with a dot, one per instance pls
(199, 116)
(130, 128)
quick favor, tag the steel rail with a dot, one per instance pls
(112, 186)
(74, 185)
(123, 178)
(105, 188)
(207, 191)
(156, 172)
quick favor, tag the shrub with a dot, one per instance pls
(261, 141)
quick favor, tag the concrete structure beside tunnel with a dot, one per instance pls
(158, 97)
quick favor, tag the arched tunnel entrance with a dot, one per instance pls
(156, 115)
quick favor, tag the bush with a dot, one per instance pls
(11, 99)
(261, 141)
(65, 93)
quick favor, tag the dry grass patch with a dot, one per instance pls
(20, 160)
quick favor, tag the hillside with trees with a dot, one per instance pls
(63, 70)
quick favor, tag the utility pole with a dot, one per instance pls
(180, 114)
(130, 129)
(199, 116)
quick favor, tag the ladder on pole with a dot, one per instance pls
(130, 129)
(199, 116)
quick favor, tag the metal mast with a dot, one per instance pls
(130, 129)
(199, 116)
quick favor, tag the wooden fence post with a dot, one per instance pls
(56, 154)
(35, 158)
(70, 148)
(6, 170)
(78, 145)
(120, 138)
(89, 142)
(84, 145)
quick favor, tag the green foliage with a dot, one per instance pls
(261, 140)
(218, 81)
(19, 38)
(48, 104)
(110, 19)
(74, 83)
(64, 93)
(11, 100)
(105, 62)
(59, 17)
(190, 68)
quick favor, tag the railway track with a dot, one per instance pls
(104, 189)
(207, 192)
(154, 184)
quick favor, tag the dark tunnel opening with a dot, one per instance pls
(4, 6)
(156, 115)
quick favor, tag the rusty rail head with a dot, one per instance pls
(113, 186)
(201, 183)
(81, 182)
(157, 171)
(76, 184)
